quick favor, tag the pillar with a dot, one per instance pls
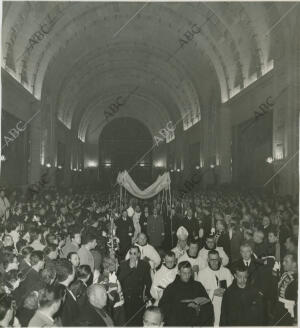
(224, 144)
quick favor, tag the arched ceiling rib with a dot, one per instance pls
(138, 107)
(170, 81)
(83, 66)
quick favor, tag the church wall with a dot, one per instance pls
(18, 107)
(15, 151)
(252, 138)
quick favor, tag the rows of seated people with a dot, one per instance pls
(214, 258)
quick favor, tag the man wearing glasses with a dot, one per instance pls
(134, 276)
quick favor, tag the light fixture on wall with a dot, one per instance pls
(92, 164)
(212, 166)
(48, 165)
(3, 158)
(279, 151)
(107, 164)
(172, 171)
(59, 167)
(269, 160)
(142, 164)
(197, 167)
(158, 164)
(178, 170)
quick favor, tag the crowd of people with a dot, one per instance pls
(211, 258)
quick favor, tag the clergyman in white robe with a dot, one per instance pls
(211, 280)
(162, 278)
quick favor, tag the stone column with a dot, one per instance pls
(224, 142)
(286, 114)
(35, 138)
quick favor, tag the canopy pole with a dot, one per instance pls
(120, 198)
(170, 194)
(162, 200)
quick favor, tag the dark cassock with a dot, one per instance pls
(179, 304)
(124, 232)
(242, 306)
(285, 309)
(136, 283)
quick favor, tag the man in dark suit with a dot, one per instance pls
(191, 224)
(235, 237)
(242, 304)
(248, 261)
(33, 280)
(134, 276)
(92, 313)
(124, 232)
(65, 274)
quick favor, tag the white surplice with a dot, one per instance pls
(162, 278)
(193, 261)
(210, 279)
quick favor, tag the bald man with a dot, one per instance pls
(153, 316)
(93, 313)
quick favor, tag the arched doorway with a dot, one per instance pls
(122, 144)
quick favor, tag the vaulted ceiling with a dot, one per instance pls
(84, 55)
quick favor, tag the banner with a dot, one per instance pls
(162, 183)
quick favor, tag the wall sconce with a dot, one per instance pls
(279, 151)
(158, 164)
(107, 164)
(212, 166)
(178, 170)
(59, 167)
(269, 160)
(3, 158)
(142, 164)
(92, 164)
(197, 167)
(48, 165)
